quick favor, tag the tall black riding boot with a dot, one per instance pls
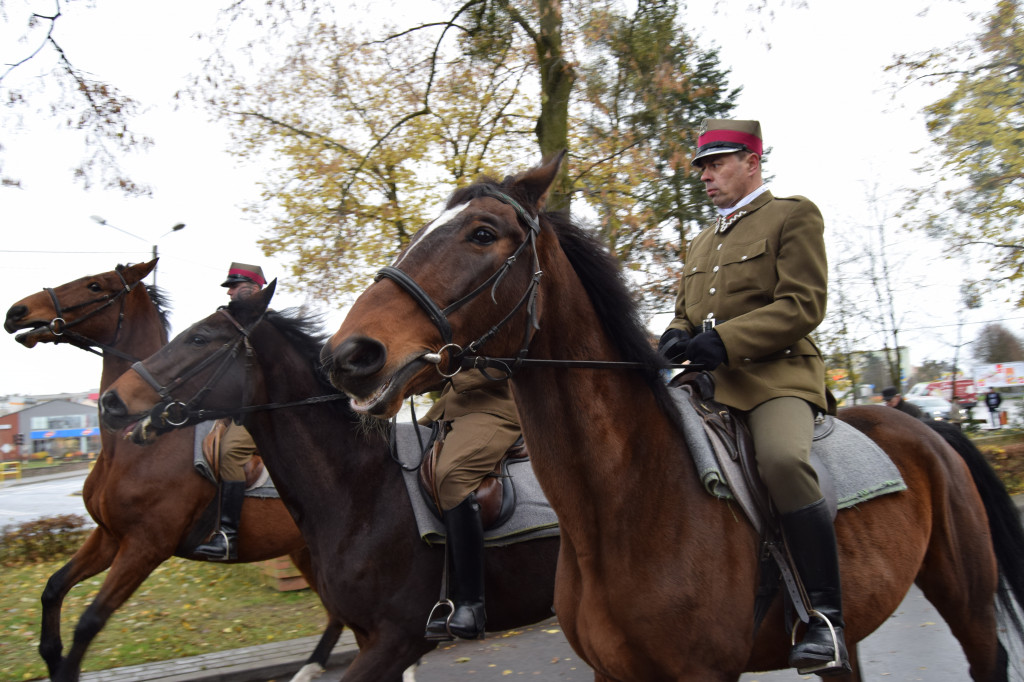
(223, 546)
(812, 542)
(465, 545)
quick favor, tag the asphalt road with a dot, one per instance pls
(914, 645)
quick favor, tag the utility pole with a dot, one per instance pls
(175, 228)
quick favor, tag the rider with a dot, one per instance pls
(754, 286)
(235, 446)
(479, 422)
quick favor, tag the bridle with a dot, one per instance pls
(459, 355)
(173, 413)
(62, 329)
(466, 357)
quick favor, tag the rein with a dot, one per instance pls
(59, 327)
(170, 412)
(467, 358)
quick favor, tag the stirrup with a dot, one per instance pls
(436, 635)
(213, 557)
(835, 663)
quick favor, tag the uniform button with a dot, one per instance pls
(743, 258)
(712, 291)
(714, 269)
(711, 316)
(693, 269)
(746, 359)
(788, 351)
(719, 247)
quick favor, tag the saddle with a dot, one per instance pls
(496, 495)
(253, 469)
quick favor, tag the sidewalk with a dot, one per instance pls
(250, 664)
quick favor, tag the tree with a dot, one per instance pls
(995, 343)
(40, 79)
(368, 132)
(974, 196)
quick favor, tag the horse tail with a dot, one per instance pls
(1004, 523)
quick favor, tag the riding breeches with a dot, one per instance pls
(236, 448)
(471, 450)
(782, 430)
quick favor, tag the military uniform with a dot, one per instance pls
(754, 287)
(761, 276)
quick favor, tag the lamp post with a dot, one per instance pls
(175, 228)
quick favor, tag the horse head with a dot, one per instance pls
(467, 280)
(87, 311)
(204, 367)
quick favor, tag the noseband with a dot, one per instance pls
(61, 328)
(439, 316)
(172, 412)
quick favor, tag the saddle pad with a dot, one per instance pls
(860, 470)
(533, 517)
(264, 485)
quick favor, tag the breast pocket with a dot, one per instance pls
(695, 276)
(748, 268)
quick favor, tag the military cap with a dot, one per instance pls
(725, 136)
(243, 272)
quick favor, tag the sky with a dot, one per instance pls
(813, 75)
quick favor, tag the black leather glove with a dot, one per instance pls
(707, 349)
(672, 344)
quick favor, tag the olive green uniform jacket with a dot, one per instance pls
(763, 279)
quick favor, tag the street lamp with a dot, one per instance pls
(175, 228)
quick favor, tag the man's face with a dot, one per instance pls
(728, 178)
(240, 290)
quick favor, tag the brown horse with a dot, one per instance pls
(335, 473)
(656, 579)
(148, 503)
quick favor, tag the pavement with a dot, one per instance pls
(276, 660)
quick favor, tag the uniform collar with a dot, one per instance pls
(748, 205)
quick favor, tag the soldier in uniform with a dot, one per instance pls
(754, 287)
(234, 445)
(480, 422)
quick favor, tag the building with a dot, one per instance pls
(59, 429)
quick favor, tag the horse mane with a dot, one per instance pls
(601, 276)
(162, 303)
(304, 331)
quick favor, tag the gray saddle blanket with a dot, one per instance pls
(859, 469)
(263, 487)
(533, 517)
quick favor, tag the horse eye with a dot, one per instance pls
(198, 340)
(483, 236)
(95, 287)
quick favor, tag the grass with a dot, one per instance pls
(184, 608)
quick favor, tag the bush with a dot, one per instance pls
(1008, 462)
(46, 539)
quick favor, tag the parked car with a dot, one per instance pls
(932, 406)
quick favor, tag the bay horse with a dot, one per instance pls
(149, 503)
(656, 579)
(336, 475)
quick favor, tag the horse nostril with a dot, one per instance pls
(111, 405)
(360, 356)
(13, 315)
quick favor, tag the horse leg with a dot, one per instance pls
(94, 556)
(317, 661)
(131, 566)
(387, 653)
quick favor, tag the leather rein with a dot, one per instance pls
(62, 329)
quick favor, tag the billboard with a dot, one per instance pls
(999, 375)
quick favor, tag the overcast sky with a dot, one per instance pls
(813, 76)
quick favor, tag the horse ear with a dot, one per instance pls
(247, 310)
(536, 182)
(135, 273)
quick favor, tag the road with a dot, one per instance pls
(914, 645)
(27, 501)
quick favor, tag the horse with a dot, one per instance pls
(148, 503)
(336, 475)
(656, 579)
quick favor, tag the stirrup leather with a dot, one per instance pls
(435, 635)
(835, 663)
